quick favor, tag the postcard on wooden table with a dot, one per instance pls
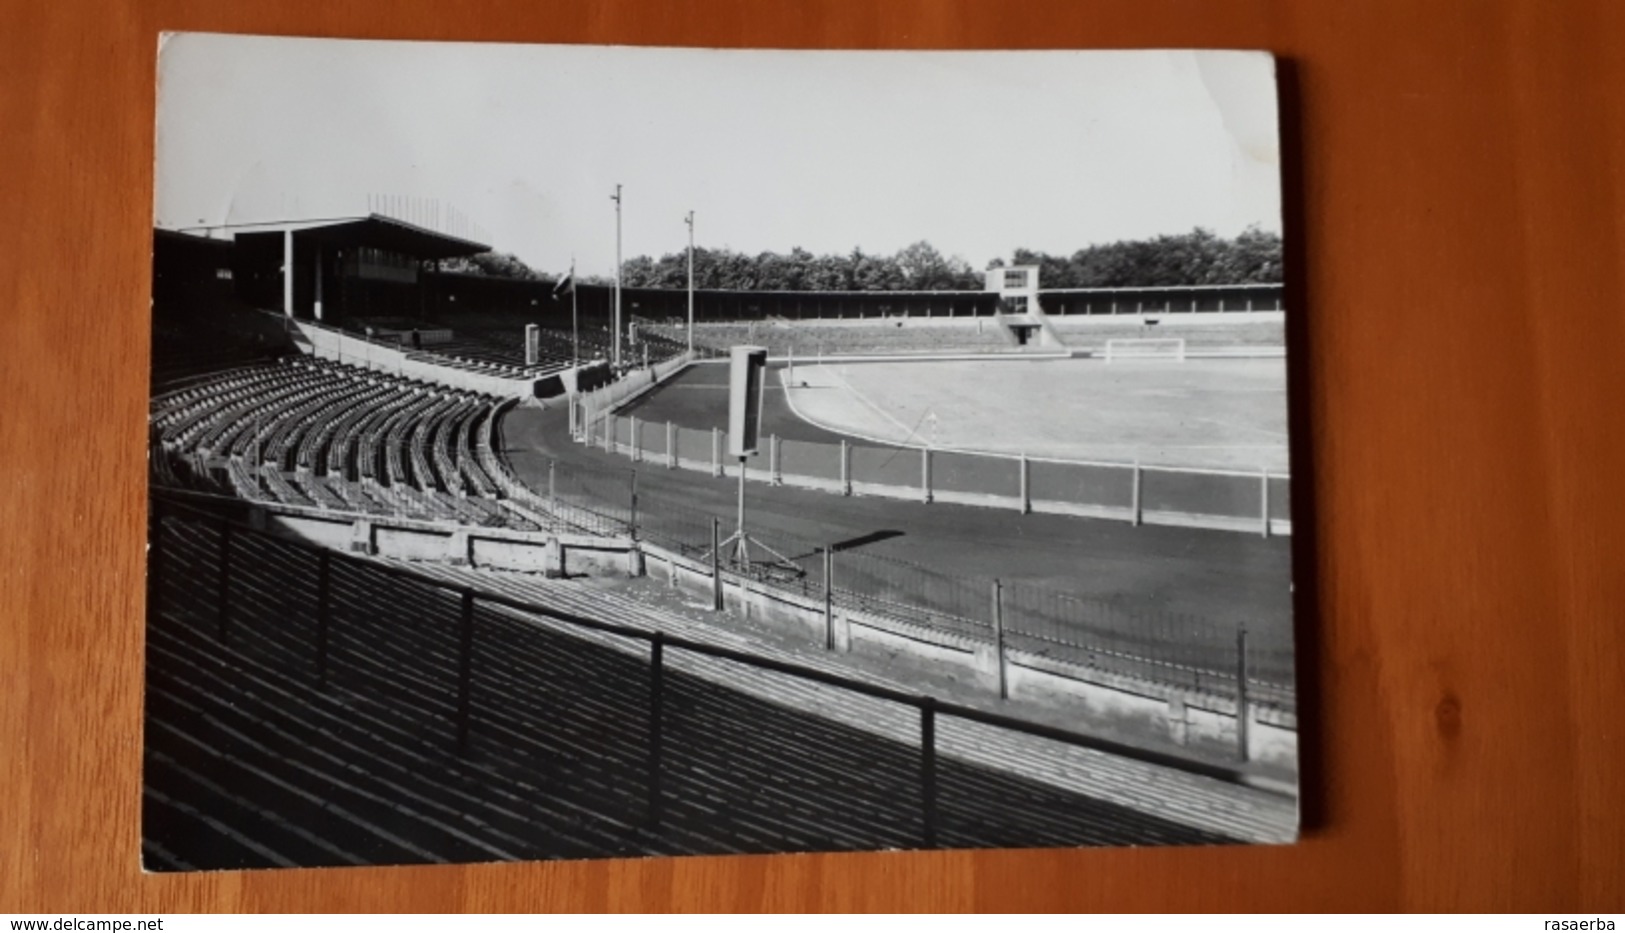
(580, 452)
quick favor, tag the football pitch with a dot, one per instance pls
(1221, 413)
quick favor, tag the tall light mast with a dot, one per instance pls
(616, 197)
(690, 221)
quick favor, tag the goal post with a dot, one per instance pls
(1146, 348)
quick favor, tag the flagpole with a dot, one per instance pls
(690, 220)
(575, 320)
(616, 197)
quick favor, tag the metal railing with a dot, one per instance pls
(1173, 649)
(1257, 501)
(588, 409)
(930, 708)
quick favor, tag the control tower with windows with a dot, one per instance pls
(1019, 312)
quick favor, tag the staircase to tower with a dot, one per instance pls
(1019, 313)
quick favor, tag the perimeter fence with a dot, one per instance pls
(1257, 501)
(1233, 658)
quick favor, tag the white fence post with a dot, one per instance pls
(1135, 507)
(925, 474)
(998, 637)
(775, 464)
(829, 599)
(846, 468)
(1243, 708)
(1264, 501)
(1026, 494)
(716, 565)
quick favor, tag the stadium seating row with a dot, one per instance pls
(495, 348)
(1093, 333)
(782, 338)
(497, 354)
(180, 354)
(501, 348)
(320, 434)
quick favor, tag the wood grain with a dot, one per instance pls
(1456, 188)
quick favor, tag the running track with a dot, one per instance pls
(1226, 577)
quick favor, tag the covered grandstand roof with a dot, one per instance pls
(161, 234)
(374, 230)
(397, 236)
(1103, 289)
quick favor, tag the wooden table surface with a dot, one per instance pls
(1455, 196)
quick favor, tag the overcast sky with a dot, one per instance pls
(977, 152)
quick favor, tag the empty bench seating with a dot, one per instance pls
(318, 434)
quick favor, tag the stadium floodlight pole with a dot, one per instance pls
(616, 357)
(575, 318)
(690, 221)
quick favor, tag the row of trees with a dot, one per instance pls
(1196, 258)
(494, 264)
(919, 266)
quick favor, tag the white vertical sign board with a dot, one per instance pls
(745, 385)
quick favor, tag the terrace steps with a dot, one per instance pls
(276, 769)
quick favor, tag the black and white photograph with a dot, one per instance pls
(571, 452)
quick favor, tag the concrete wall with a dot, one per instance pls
(1180, 716)
(328, 533)
(410, 539)
(1221, 500)
(329, 344)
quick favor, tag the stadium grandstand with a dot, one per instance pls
(303, 432)
(521, 733)
(424, 588)
(360, 274)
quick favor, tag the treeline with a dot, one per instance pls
(1196, 258)
(920, 267)
(494, 264)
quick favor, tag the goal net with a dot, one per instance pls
(1146, 348)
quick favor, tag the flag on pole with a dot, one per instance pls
(567, 285)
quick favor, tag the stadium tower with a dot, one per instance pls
(1019, 312)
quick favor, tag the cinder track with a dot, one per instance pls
(1226, 577)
